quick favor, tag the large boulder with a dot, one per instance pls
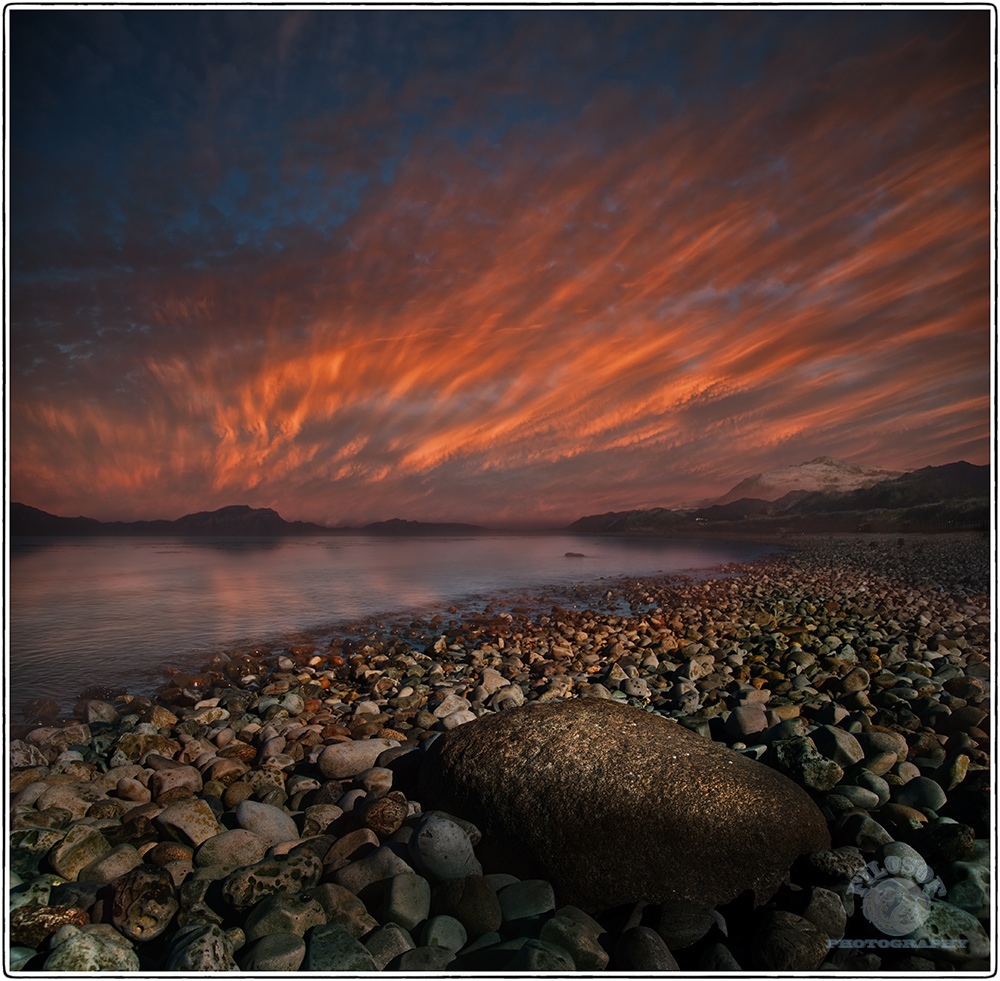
(616, 805)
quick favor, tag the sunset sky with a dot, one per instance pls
(492, 266)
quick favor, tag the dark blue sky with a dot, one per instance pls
(354, 262)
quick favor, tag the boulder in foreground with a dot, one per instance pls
(616, 805)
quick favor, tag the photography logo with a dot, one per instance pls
(896, 895)
(896, 898)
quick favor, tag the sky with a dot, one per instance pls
(499, 266)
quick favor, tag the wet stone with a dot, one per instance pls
(388, 942)
(407, 900)
(200, 946)
(292, 874)
(80, 951)
(81, 846)
(579, 935)
(272, 824)
(787, 942)
(642, 949)
(32, 924)
(332, 948)
(231, 849)
(283, 914)
(277, 952)
(144, 902)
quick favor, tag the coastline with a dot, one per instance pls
(733, 654)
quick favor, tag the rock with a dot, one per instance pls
(277, 952)
(921, 792)
(440, 849)
(231, 849)
(32, 924)
(786, 942)
(825, 910)
(443, 931)
(579, 935)
(348, 759)
(407, 900)
(963, 935)
(190, 820)
(283, 914)
(200, 946)
(80, 846)
(143, 903)
(290, 874)
(837, 744)
(332, 948)
(77, 798)
(539, 780)
(523, 904)
(385, 814)
(174, 778)
(79, 951)
(642, 949)
(379, 867)
(472, 901)
(800, 759)
(270, 823)
(683, 923)
(340, 905)
(118, 861)
(540, 955)
(423, 959)
(387, 942)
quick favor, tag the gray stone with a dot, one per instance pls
(387, 942)
(837, 744)
(826, 910)
(801, 760)
(118, 861)
(642, 949)
(858, 796)
(683, 923)
(266, 821)
(348, 759)
(407, 900)
(380, 866)
(786, 942)
(441, 849)
(443, 931)
(81, 846)
(424, 959)
(528, 899)
(80, 950)
(276, 952)
(539, 780)
(143, 903)
(200, 946)
(332, 948)
(540, 955)
(341, 906)
(231, 849)
(191, 821)
(290, 874)
(920, 792)
(946, 922)
(283, 914)
(718, 958)
(579, 935)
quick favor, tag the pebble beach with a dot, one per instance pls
(265, 814)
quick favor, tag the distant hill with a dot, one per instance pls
(397, 526)
(824, 474)
(238, 519)
(956, 495)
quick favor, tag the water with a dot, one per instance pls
(116, 611)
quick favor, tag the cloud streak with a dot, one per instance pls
(447, 297)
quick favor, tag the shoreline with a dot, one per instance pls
(856, 634)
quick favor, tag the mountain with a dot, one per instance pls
(397, 526)
(236, 520)
(821, 474)
(953, 496)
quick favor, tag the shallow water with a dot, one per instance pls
(117, 611)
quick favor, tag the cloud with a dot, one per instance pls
(437, 300)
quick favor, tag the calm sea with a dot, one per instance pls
(117, 611)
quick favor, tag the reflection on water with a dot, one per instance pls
(117, 611)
